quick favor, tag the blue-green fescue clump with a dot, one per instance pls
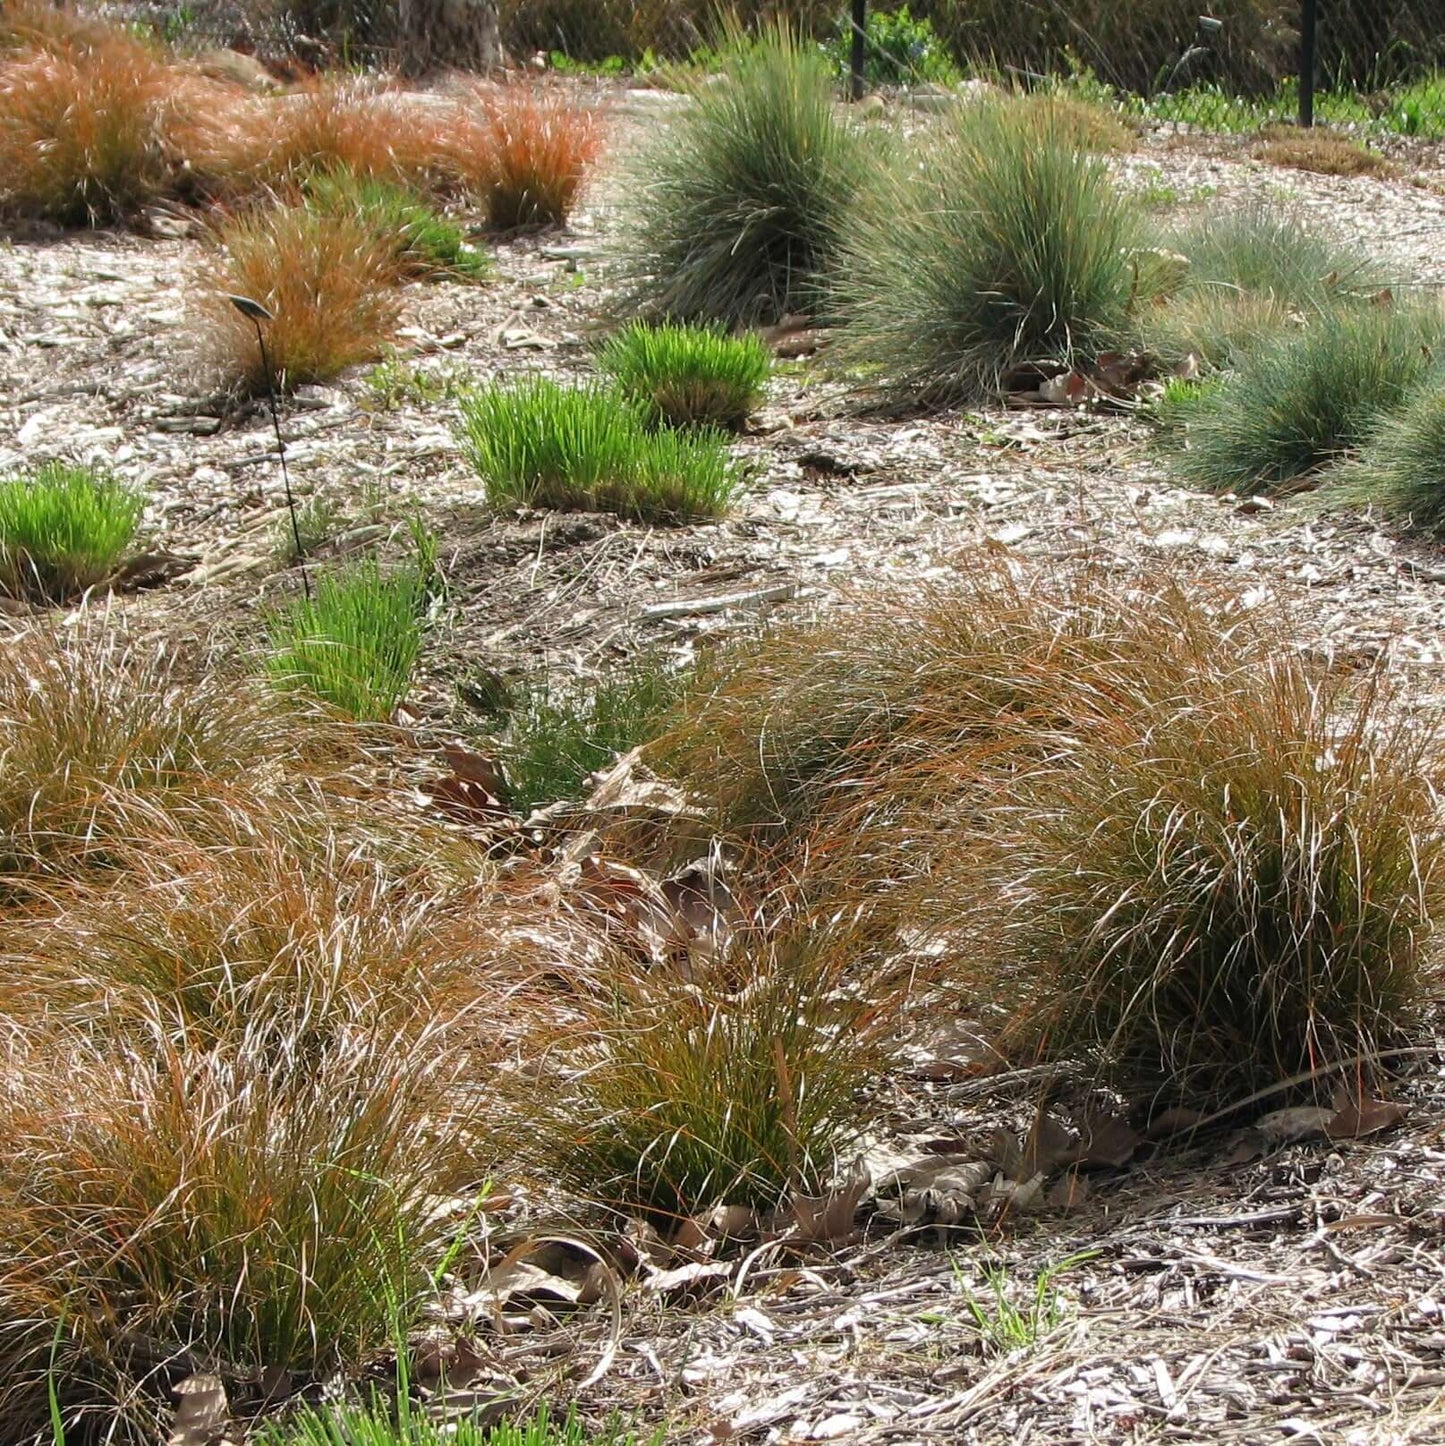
(1255, 272)
(737, 206)
(354, 643)
(1301, 402)
(64, 529)
(537, 443)
(1005, 244)
(1402, 469)
(688, 376)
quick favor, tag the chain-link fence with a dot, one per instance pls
(1377, 64)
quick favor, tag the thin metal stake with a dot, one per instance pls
(1308, 34)
(257, 313)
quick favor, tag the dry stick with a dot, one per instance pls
(257, 313)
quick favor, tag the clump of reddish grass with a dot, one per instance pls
(39, 25)
(335, 126)
(266, 1203)
(327, 277)
(1133, 815)
(84, 131)
(738, 1084)
(1227, 881)
(300, 907)
(781, 730)
(532, 151)
(99, 739)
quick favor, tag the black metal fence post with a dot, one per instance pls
(1307, 35)
(855, 55)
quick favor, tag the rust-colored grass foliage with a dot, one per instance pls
(1321, 151)
(266, 1203)
(1221, 885)
(1132, 816)
(242, 1042)
(101, 741)
(85, 130)
(327, 277)
(734, 1082)
(334, 125)
(535, 147)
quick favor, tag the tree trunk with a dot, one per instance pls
(455, 34)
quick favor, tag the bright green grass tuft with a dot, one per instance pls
(354, 643)
(540, 444)
(63, 529)
(1301, 402)
(1006, 244)
(376, 1426)
(688, 376)
(427, 243)
(738, 205)
(557, 736)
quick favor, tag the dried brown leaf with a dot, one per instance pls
(202, 1412)
(1353, 1119)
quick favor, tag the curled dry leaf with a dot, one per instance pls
(472, 790)
(831, 1219)
(589, 1277)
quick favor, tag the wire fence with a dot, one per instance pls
(1376, 65)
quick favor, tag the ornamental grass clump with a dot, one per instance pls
(263, 1205)
(300, 910)
(104, 742)
(540, 444)
(426, 242)
(328, 278)
(1006, 245)
(1401, 470)
(354, 642)
(85, 130)
(1226, 884)
(738, 205)
(63, 530)
(539, 147)
(1301, 402)
(688, 376)
(1255, 271)
(739, 1087)
(334, 125)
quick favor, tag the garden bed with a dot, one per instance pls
(1228, 1292)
